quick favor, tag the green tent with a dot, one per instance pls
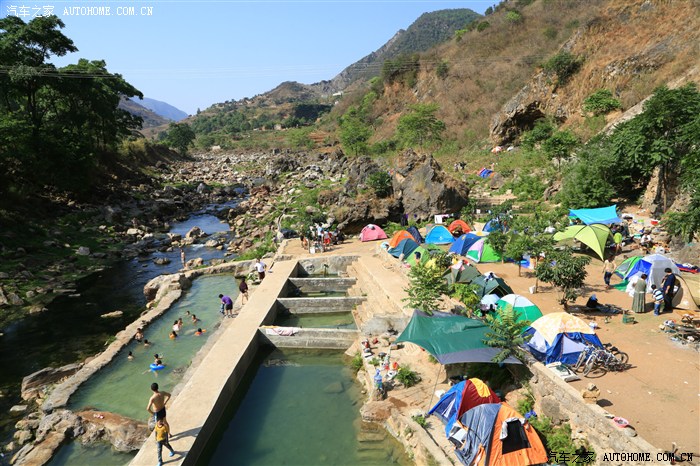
(450, 338)
(495, 285)
(465, 275)
(481, 251)
(424, 256)
(594, 236)
(626, 266)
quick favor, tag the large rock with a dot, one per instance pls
(123, 433)
(33, 384)
(195, 232)
(376, 411)
(160, 285)
(38, 453)
(62, 421)
(424, 189)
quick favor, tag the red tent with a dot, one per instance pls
(371, 233)
(459, 224)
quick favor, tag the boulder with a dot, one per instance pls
(3, 299)
(376, 411)
(14, 299)
(195, 232)
(33, 384)
(161, 284)
(38, 453)
(123, 433)
(18, 409)
(62, 421)
(161, 261)
(23, 436)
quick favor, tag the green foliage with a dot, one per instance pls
(528, 187)
(526, 404)
(407, 377)
(506, 333)
(354, 131)
(482, 26)
(459, 33)
(426, 287)
(420, 126)
(442, 70)
(180, 137)
(550, 33)
(565, 271)
(441, 259)
(357, 362)
(380, 183)
(420, 420)
(585, 186)
(488, 11)
(498, 240)
(542, 131)
(684, 224)
(560, 145)
(403, 68)
(374, 361)
(564, 65)
(299, 138)
(514, 17)
(468, 295)
(601, 102)
(558, 439)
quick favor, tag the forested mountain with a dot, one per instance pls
(149, 117)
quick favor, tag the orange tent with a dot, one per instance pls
(459, 224)
(398, 237)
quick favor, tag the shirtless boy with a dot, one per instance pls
(156, 405)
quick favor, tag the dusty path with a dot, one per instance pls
(659, 395)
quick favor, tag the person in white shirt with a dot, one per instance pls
(260, 267)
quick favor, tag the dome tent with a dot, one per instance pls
(559, 336)
(461, 398)
(439, 234)
(371, 233)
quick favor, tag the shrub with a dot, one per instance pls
(528, 187)
(407, 377)
(467, 295)
(482, 26)
(357, 362)
(542, 130)
(380, 183)
(564, 65)
(427, 285)
(550, 33)
(442, 70)
(420, 420)
(514, 17)
(601, 102)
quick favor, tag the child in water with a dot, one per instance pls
(130, 357)
(194, 318)
(173, 335)
(146, 343)
(139, 335)
(199, 332)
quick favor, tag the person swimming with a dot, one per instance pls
(199, 332)
(139, 335)
(146, 343)
(130, 356)
(173, 335)
(194, 318)
(157, 360)
(176, 326)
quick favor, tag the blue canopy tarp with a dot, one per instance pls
(604, 215)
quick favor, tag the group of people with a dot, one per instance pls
(321, 239)
(663, 297)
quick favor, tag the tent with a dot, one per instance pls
(594, 236)
(481, 251)
(461, 398)
(461, 224)
(465, 274)
(604, 215)
(405, 247)
(488, 301)
(653, 265)
(398, 237)
(496, 435)
(371, 233)
(526, 309)
(626, 266)
(492, 225)
(439, 234)
(485, 173)
(450, 338)
(495, 285)
(462, 244)
(416, 234)
(559, 336)
(424, 256)
(684, 298)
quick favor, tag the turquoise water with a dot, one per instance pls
(300, 408)
(99, 454)
(123, 386)
(342, 320)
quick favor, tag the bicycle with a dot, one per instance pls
(608, 358)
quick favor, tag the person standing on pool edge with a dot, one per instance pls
(260, 267)
(157, 402)
(226, 305)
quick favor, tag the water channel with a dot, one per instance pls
(71, 329)
(300, 407)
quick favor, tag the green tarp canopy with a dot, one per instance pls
(450, 338)
(594, 236)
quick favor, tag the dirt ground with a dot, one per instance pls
(659, 395)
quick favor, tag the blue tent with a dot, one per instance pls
(416, 234)
(461, 245)
(492, 225)
(439, 234)
(604, 215)
(559, 337)
(405, 247)
(459, 399)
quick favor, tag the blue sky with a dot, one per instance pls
(193, 54)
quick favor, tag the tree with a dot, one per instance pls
(380, 182)
(565, 271)
(180, 137)
(498, 240)
(467, 294)
(564, 65)
(354, 131)
(601, 102)
(559, 145)
(420, 126)
(506, 333)
(426, 288)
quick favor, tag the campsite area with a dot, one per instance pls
(659, 393)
